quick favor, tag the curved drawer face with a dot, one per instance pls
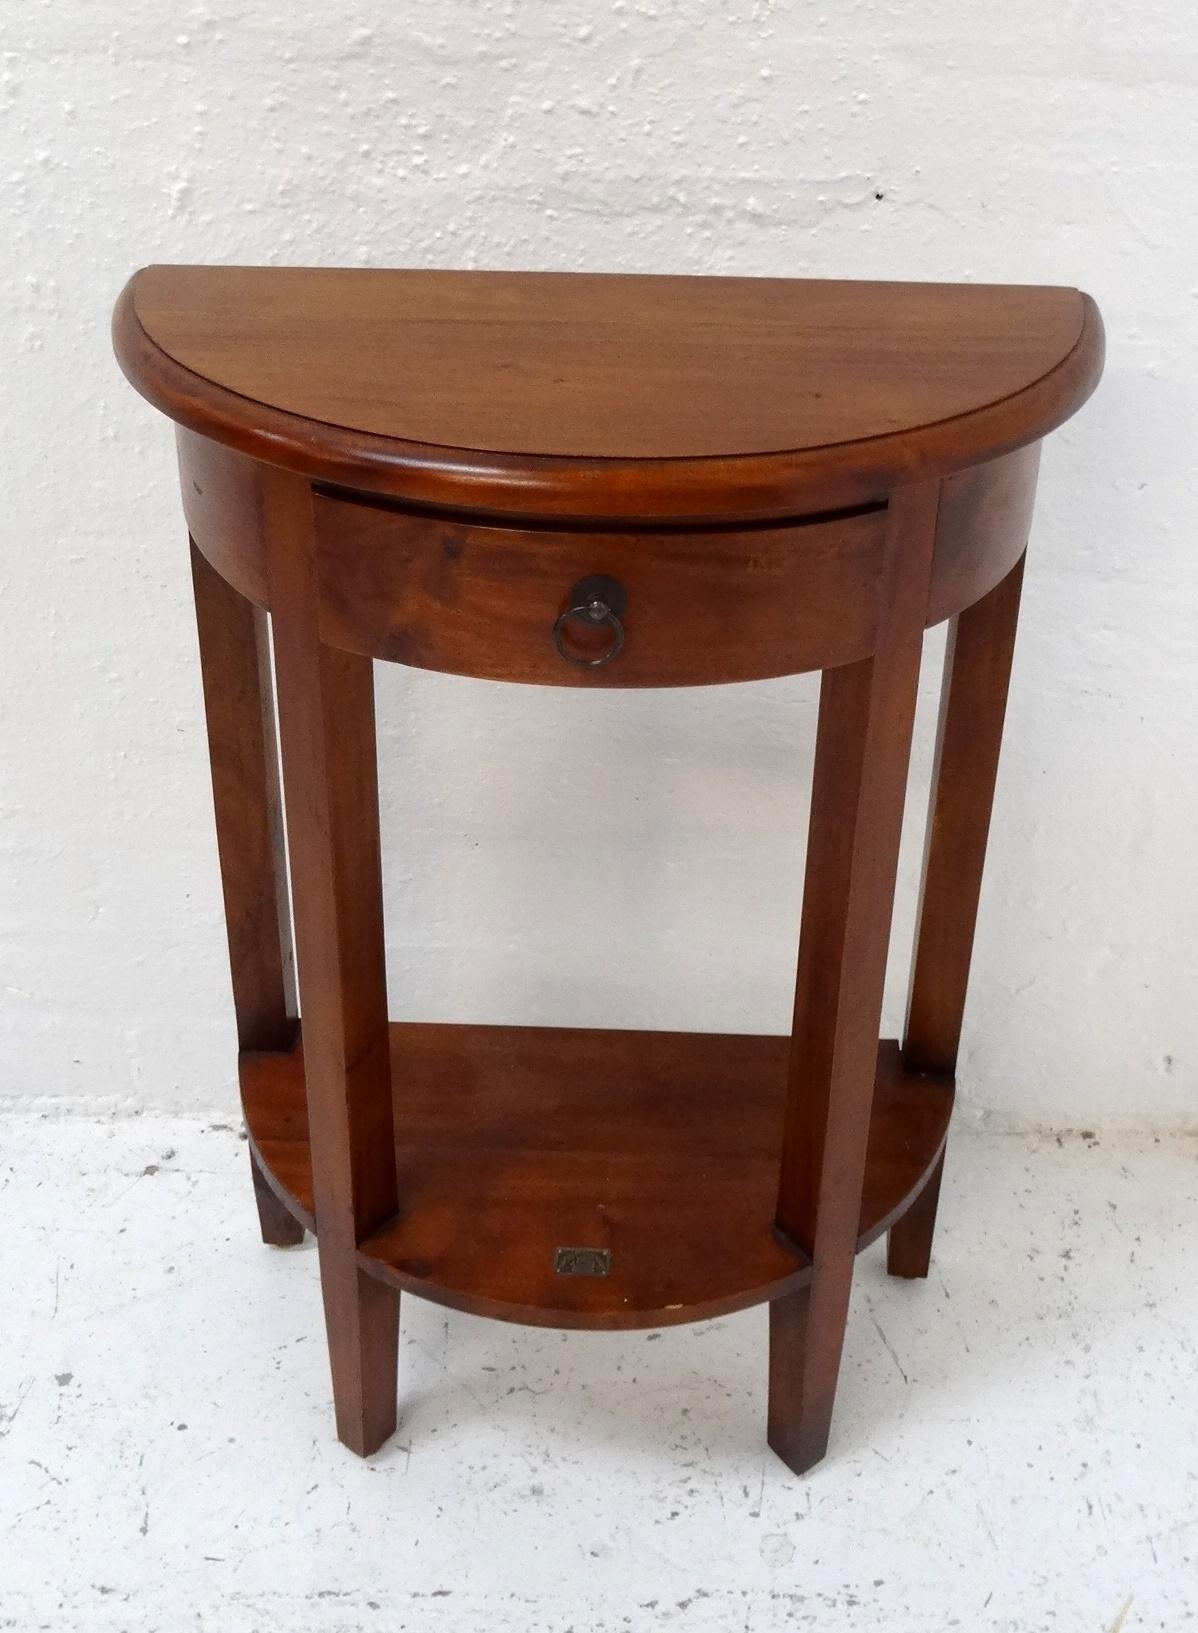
(698, 607)
(981, 530)
(222, 503)
(703, 606)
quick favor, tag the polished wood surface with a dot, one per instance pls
(862, 747)
(712, 604)
(721, 605)
(909, 1242)
(514, 1141)
(221, 492)
(239, 707)
(982, 527)
(767, 476)
(600, 367)
(587, 395)
(330, 783)
(281, 1225)
(977, 674)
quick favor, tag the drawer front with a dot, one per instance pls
(683, 608)
(700, 606)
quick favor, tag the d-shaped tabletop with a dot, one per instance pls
(566, 394)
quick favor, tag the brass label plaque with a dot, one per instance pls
(582, 1261)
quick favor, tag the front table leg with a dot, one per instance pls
(330, 778)
(863, 743)
(977, 673)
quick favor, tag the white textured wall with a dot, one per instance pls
(554, 856)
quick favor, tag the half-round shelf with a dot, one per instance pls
(655, 1153)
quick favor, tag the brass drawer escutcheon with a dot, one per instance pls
(582, 1261)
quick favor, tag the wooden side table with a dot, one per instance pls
(599, 481)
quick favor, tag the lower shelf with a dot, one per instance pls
(658, 1149)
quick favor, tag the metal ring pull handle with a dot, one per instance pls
(597, 601)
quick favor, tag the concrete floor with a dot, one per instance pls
(1016, 1446)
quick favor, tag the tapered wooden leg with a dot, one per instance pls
(326, 721)
(977, 673)
(909, 1242)
(362, 1320)
(280, 1228)
(862, 749)
(239, 704)
(802, 1388)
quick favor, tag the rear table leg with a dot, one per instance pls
(977, 673)
(909, 1242)
(239, 705)
(280, 1227)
